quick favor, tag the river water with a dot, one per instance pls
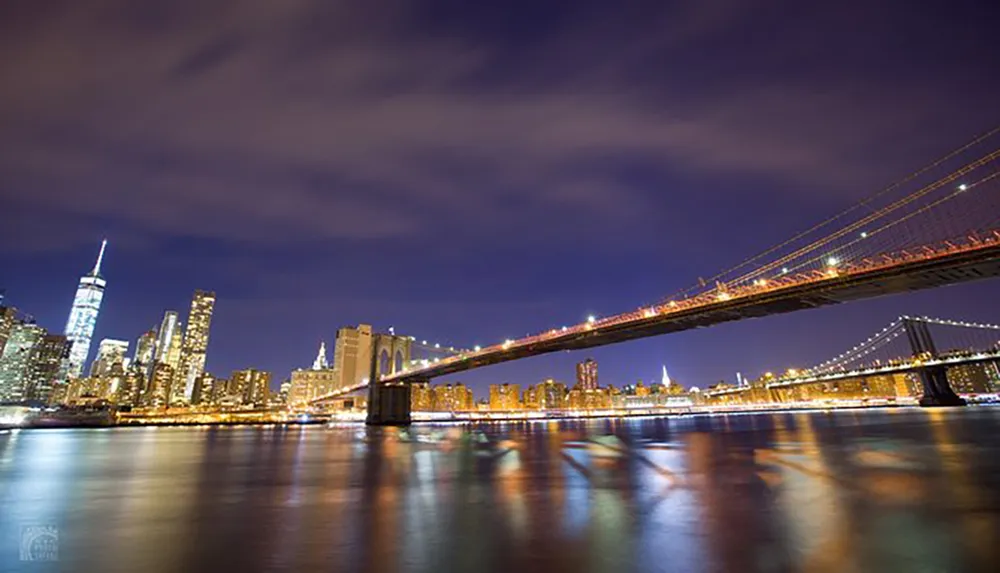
(878, 490)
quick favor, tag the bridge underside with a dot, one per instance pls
(963, 267)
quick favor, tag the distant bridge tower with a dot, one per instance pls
(937, 390)
(388, 403)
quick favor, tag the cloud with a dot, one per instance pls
(298, 121)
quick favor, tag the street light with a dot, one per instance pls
(591, 319)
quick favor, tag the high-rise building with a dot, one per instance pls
(110, 359)
(8, 318)
(195, 346)
(145, 353)
(83, 315)
(132, 385)
(48, 366)
(168, 343)
(586, 374)
(145, 347)
(352, 356)
(283, 392)
(157, 393)
(250, 386)
(16, 361)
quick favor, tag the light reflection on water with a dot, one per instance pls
(907, 490)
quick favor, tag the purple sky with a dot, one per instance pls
(469, 171)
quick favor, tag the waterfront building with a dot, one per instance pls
(249, 387)
(530, 399)
(551, 395)
(586, 375)
(452, 397)
(421, 397)
(8, 318)
(48, 366)
(195, 346)
(505, 397)
(587, 399)
(220, 391)
(309, 384)
(157, 393)
(317, 381)
(132, 385)
(970, 378)
(283, 392)
(83, 315)
(16, 361)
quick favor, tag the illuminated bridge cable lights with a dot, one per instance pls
(866, 203)
(839, 243)
(921, 222)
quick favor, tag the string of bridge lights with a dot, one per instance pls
(887, 334)
(844, 356)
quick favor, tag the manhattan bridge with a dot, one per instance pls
(937, 226)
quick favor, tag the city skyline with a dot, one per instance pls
(474, 180)
(176, 328)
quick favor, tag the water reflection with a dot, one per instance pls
(906, 490)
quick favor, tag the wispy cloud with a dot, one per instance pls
(297, 120)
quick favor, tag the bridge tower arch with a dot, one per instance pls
(937, 390)
(388, 403)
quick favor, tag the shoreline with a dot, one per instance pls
(323, 420)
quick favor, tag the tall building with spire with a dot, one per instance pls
(320, 363)
(83, 315)
(194, 347)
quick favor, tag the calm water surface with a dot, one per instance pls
(889, 490)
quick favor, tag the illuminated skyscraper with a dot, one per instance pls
(47, 367)
(16, 362)
(83, 315)
(168, 345)
(250, 386)
(145, 353)
(586, 375)
(110, 359)
(192, 360)
(8, 318)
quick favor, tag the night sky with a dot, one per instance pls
(468, 171)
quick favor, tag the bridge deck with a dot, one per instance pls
(978, 260)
